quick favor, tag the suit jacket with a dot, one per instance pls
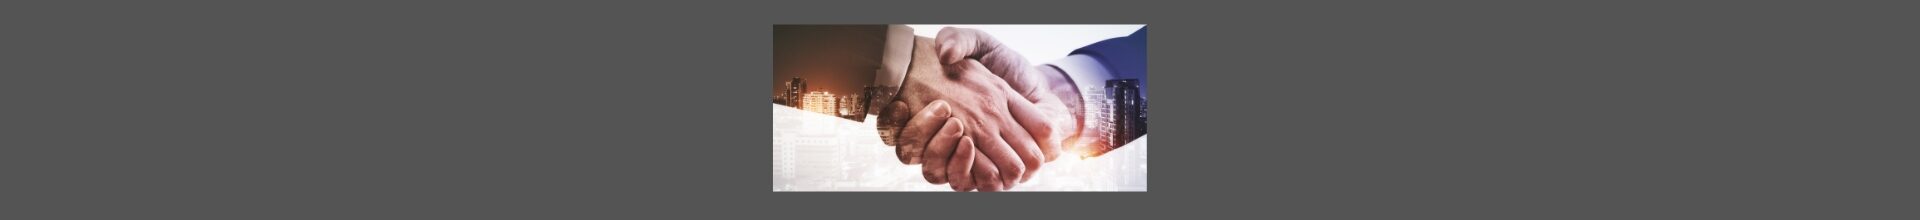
(1124, 57)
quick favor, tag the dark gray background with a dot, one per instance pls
(568, 110)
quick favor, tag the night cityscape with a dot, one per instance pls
(849, 106)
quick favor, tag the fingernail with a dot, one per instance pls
(962, 132)
(942, 110)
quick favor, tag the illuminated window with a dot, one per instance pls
(821, 102)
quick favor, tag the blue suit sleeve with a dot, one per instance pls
(1124, 57)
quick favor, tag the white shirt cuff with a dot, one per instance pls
(1089, 77)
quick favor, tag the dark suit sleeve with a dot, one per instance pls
(1124, 57)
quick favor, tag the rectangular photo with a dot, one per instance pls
(959, 108)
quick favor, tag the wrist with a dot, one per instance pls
(895, 63)
(1063, 88)
(1085, 80)
(883, 96)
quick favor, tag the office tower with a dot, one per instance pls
(796, 89)
(1129, 120)
(1140, 118)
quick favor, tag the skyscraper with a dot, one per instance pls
(1129, 119)
(795, 89)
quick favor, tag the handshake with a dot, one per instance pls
(975, 115)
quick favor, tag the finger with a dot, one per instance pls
(1039, 122)
(939, 149)
(1024, 146)
(1039, 125)
(961, 166)
(919, 130)
(986, 177)
(1012, 72)
(959, 44)
(1003, 156)
(954, 44)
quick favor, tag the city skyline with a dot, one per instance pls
(840, 59)
(852, 106)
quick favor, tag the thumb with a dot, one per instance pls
(957, 44)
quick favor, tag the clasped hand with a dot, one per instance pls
(974, 115)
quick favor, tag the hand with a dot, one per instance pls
(989, 113)
(1056, 101)
(1053, 94)
(964, 165)
(968, 101)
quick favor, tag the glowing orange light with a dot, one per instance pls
(822, 102)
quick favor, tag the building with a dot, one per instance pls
(1129, 116)
(822, 102)
(1099, 116)
(868, 97)
(847, 106)
(795, 89)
